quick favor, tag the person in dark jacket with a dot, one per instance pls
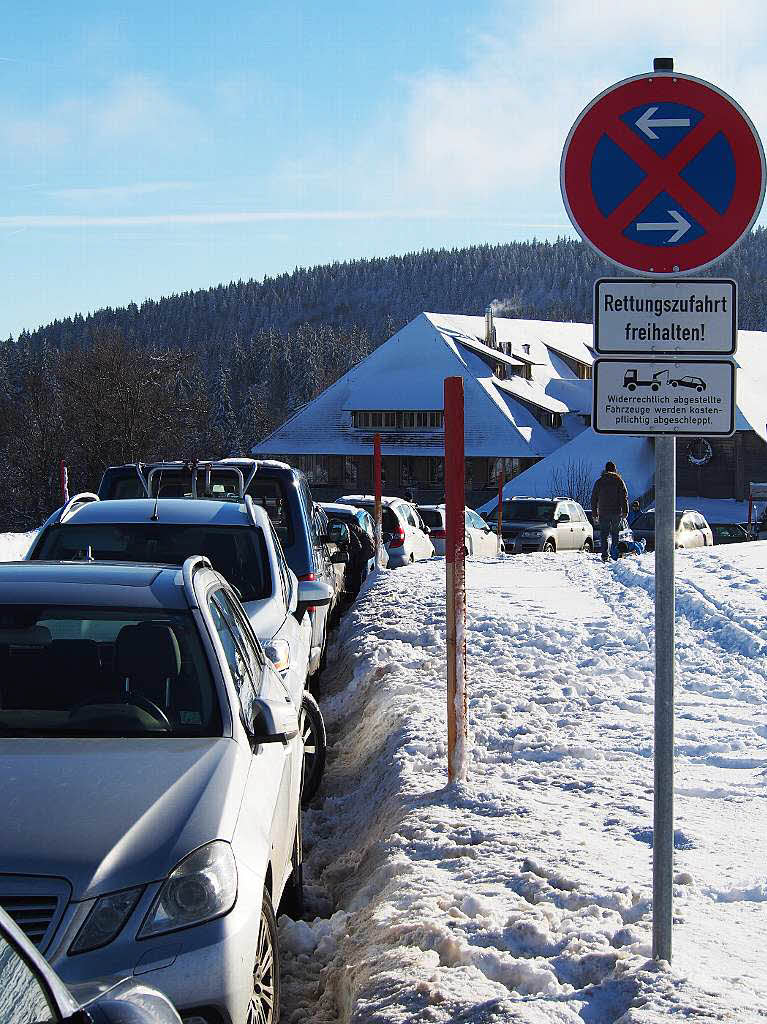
(609, 504)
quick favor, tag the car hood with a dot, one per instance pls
(523, 524)
(108, 814)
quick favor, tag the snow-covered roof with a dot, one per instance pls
(408, 371)
(581, 461)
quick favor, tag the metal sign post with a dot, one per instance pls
(501, 484)
(663, 174)
(663, 816)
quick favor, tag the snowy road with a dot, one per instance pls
(525, 893)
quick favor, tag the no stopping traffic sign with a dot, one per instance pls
(663, 173)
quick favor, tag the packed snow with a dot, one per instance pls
(524, 893)
(14, 546)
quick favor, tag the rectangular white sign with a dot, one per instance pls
(664, 396)
(665, 316)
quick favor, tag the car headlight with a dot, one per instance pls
(201, 887)
(106, 919)
(532, 533)
(278, 652)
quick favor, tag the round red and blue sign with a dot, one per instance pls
(663, 174)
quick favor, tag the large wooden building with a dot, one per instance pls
(527, 391)
(527, 402)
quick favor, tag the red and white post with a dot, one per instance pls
(378, 492)
(455, 534)
(501, 485)
(64, 482)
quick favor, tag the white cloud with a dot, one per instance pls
(233, 217)
(118, 192)
(133, 109)
(497, 126)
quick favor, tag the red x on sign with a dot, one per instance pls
(663, 173)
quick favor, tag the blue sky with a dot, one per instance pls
(156, 147)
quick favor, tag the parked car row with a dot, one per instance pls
(181, 640)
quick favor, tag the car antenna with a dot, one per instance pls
(155, 516)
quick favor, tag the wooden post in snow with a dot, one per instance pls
(501, 483)
(455, 533)
(378, 491)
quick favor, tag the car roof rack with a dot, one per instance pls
(76, 502)
(207, 466)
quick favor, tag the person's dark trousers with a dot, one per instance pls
(608, 528)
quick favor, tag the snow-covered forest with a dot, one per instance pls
(212, 372)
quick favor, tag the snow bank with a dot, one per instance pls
(13, 546)
(525, 893)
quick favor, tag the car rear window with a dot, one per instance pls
(433, 517)
(272, 496)
(389, 521)
(104, 672)
(238, 553)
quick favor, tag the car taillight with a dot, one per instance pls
(398, 538)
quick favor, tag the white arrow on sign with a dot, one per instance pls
(679, 225)
(646, 123)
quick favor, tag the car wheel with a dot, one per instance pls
(588, 545)
(550, 546)
(292, 902)
(264, 1006)
(674, 383)
(631, 387)
(315, 747)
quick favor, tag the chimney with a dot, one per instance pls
(489, 327)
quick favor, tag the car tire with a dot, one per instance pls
(588, 546)
(550, 546)
(292, 902)
(314, 736)
(265, 999)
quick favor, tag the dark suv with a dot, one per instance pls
(279, 488)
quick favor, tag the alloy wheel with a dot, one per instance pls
(261, 1007)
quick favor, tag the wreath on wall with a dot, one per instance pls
(700, 452)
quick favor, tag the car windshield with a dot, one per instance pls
(68, 671)
(433, 517)
(646, 521)
(389, 521)
(528, 511)
(238, 553)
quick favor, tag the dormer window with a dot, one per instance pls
(398, 419)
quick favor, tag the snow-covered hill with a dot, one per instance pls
(525, 893)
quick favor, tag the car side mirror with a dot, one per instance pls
(274, 721)
(426, 529)
(314, 592)
(339, 534)
(563, 517)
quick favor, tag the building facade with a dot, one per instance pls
(526, 392)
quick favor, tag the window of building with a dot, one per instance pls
(436, 472)
(406, 470)
(315, 467)
(398, 419)
(351, 471)
(511, 468)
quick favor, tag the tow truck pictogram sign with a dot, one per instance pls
(663, 174)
